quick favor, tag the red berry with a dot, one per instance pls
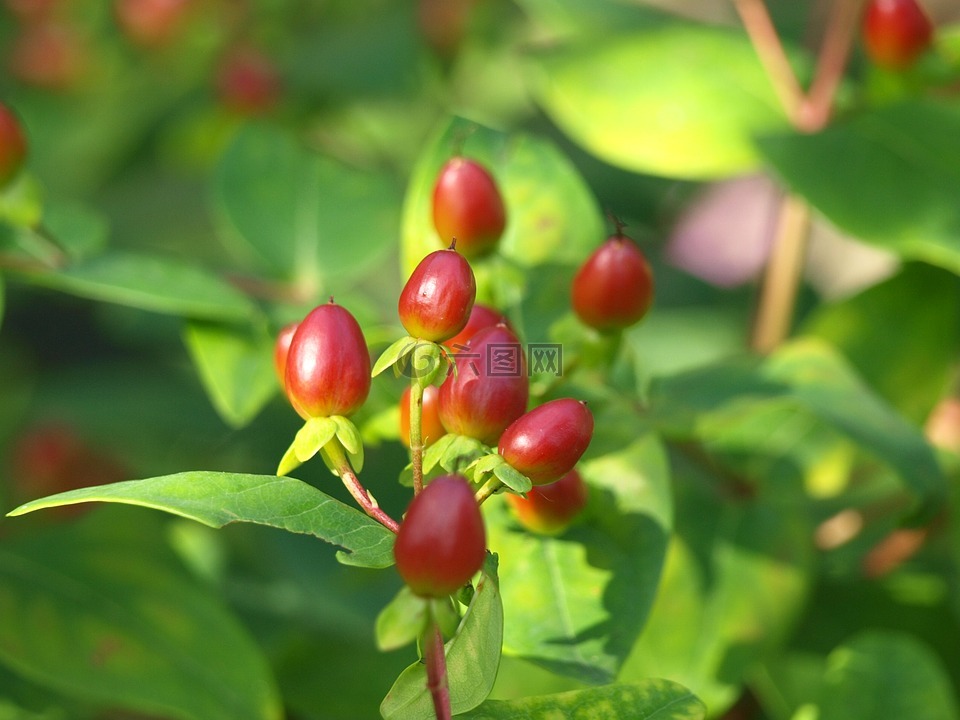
(613, 289)
(442, 542)
(435, 303)
(431, 429)
(32, 11)
(550, 508)
(895, 32)
(248, 82)
(546, 443)
(443, 23)
(480, 317)
(13, 145)
(490, 388)
(328, 364)
(151, 23)
(48, 55)
(281, 349)
(468, 207)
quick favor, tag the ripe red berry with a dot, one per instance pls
(50, 55)
(328, 364)
(281, 349)
(435, 303)
(550, 508)
(481, 316)
(247, 82)
(490, 388)
(431, 429)
(151, 23)
(13, 145)
(895, 32)
(545, 443)
(441, 543)
(613, 289)
(468, 207)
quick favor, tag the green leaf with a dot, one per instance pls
(315, 433)
(885, 176)
(512, 478)
(912, 367)
(487, 463)
(3, 299)
(393, 354)
(21, 201)
(460, 452)
(80, 231)
(473, 656)
(103, 612)
(301, 213)
(809, 376)
(886, 674)
(679, 100)
(217, 499)
(552, 215)
(738, 573)
(646, 700)
(150, 283)
(401, 621)
(236, 367)
(435, 452)
(575, 603)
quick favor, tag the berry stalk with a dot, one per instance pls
(436, 662)
(350, 480)
(416, 434)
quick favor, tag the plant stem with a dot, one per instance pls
(356, 489)
(416, 434)
(489, 488)
(436, 661)
(781, 279)
(841, 30)
(766, 41)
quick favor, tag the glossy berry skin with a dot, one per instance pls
(441, 543)
(483, 397)
(468, 207)
(247, 82)
(435, 303)
(549, 509)
(328, 364)
(546, 443)
(613, 289)
(281, 348)
(431, 429)
(13, 145)
(895, 32)
(481, 316)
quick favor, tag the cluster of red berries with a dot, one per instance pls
(324, 368)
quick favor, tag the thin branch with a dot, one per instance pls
(436, 661)
(416, 434)
(356, 488)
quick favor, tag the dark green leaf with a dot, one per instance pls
(811, 377)
(886, 674)
(551, 214)
(886, 176)
(679, 100)
(301, 213)
(646, 700)
(393, 354)
(236, 367)
(150, 283)
(401, 621)
(217, 499)
(111, 618)
(78, 230)
(576, 602)
(473, 656)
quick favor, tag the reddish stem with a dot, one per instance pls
(436, 661)
(356, 488)
(841, 30)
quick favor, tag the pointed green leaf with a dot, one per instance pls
(679, 100)
(315, 433)
(236, 367)
(289, 462)
(645, 700)
(154, 283)
(575, 603)
(401, 621)
(512, 478)
(393, 354)
(473, 656)
(103, 612)
(217, 499)
(433, 454)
